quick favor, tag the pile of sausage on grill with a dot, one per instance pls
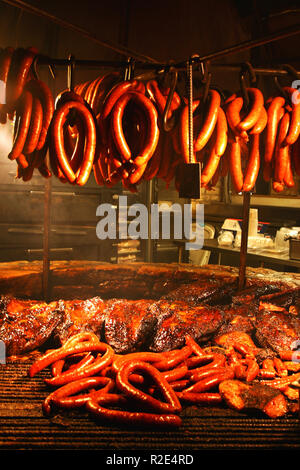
(145, 360)
(115, 129)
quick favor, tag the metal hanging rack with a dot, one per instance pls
(155, 70)
(158, 68)
(146, 63)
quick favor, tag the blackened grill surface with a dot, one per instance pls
(23, 426)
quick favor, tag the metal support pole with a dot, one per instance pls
(244, 239)
(46, 235)
(149, 241)
(190, 105)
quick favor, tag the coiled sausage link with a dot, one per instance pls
(183, 133)
(35, 127)
(41, 90)
(152, 127)
(294, 128)
(65, 396)
(261, 122)
(24, 111)
(234, 105)
(288, 177)
(282, 149)
(253, 164)
(235, 164)
(159, 97)
(135, 417)
(102, 89)
(275, 113)
(115, 93)
(59, 118)
(209, 120)
(257, 102)
(18, 73)
(122, 381)
(5, 61)
(295, 154)
(217, 149)
(54, 355)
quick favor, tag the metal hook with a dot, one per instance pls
(52, 71)
(204, 71)
(129, 71)
(291, 70)
(35, 65)
(247, 68)
(168, 125)
(293, 73)
(205, 79)
(71, 70)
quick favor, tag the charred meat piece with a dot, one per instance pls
(211, 292)
(27, 325)
(284, 298)
(223, 295)
(79, 316)
(128, 324)
(271, 307)
(177, 319)
(194, 292)
(250, 294)
(295, 309)
(278, 331)
(241, 396)
(239, 318)
(10, 306)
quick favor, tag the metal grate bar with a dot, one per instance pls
(23, 426)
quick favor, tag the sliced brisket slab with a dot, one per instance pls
(80, 316)
(278, 331)
(27, 325)
(212, 292)
(128, 324)
(285, 298)
(177, 319)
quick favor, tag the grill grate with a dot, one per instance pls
(23, 426)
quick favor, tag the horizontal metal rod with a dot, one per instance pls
(227, 68)
(87, 63)
(257, 70)
(94, 63)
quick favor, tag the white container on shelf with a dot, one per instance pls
(253, 223)
(225, 238)
(280, 243)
